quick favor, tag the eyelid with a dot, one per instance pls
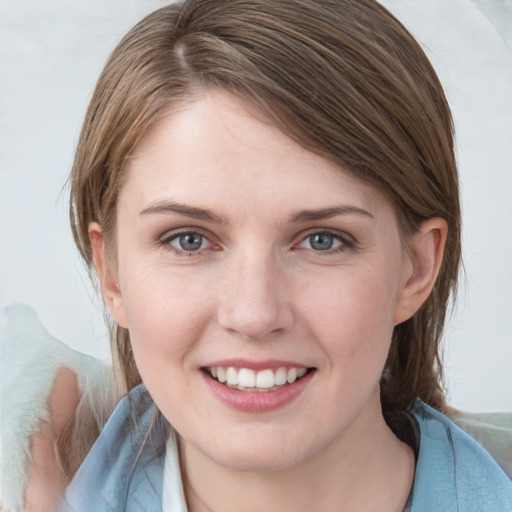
(347, 241)
(173, 234)
(180, 228)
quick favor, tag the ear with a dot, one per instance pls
(425, 256)
(107, 275)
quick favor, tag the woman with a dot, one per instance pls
(268, 193)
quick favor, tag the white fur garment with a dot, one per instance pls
(30, 359)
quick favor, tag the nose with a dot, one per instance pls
(255, 301)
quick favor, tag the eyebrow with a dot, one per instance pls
(183, 209)
(327, 213)
(206, 215)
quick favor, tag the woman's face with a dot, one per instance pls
(243, 256)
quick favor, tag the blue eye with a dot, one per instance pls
(321, 241)
(190, 241)
(326, 241)
(187, 241)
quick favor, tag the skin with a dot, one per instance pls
(258, 289)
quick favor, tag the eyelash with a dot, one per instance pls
(346, 242)
(167, 240)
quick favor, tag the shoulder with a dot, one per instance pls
(493, 430)
(453, 471)
(124, 469)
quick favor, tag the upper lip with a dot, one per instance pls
(272, 364)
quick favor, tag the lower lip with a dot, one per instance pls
(257, 401)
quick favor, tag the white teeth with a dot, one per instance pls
(245, 378)
(232, 376)
(265, 379)
(221, 374)
(291, 376)
(280, 377)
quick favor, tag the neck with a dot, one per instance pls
(366, 468)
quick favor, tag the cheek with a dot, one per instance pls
(353, 317)
(166, 312)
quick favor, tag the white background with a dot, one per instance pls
(51, 52)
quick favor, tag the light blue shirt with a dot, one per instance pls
(122, 472)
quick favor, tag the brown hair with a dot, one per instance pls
(342, 77)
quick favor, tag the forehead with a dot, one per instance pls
(218, 149)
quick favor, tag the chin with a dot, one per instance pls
(258, 462)
(259, 454)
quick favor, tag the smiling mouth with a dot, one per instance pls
(246, 379)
